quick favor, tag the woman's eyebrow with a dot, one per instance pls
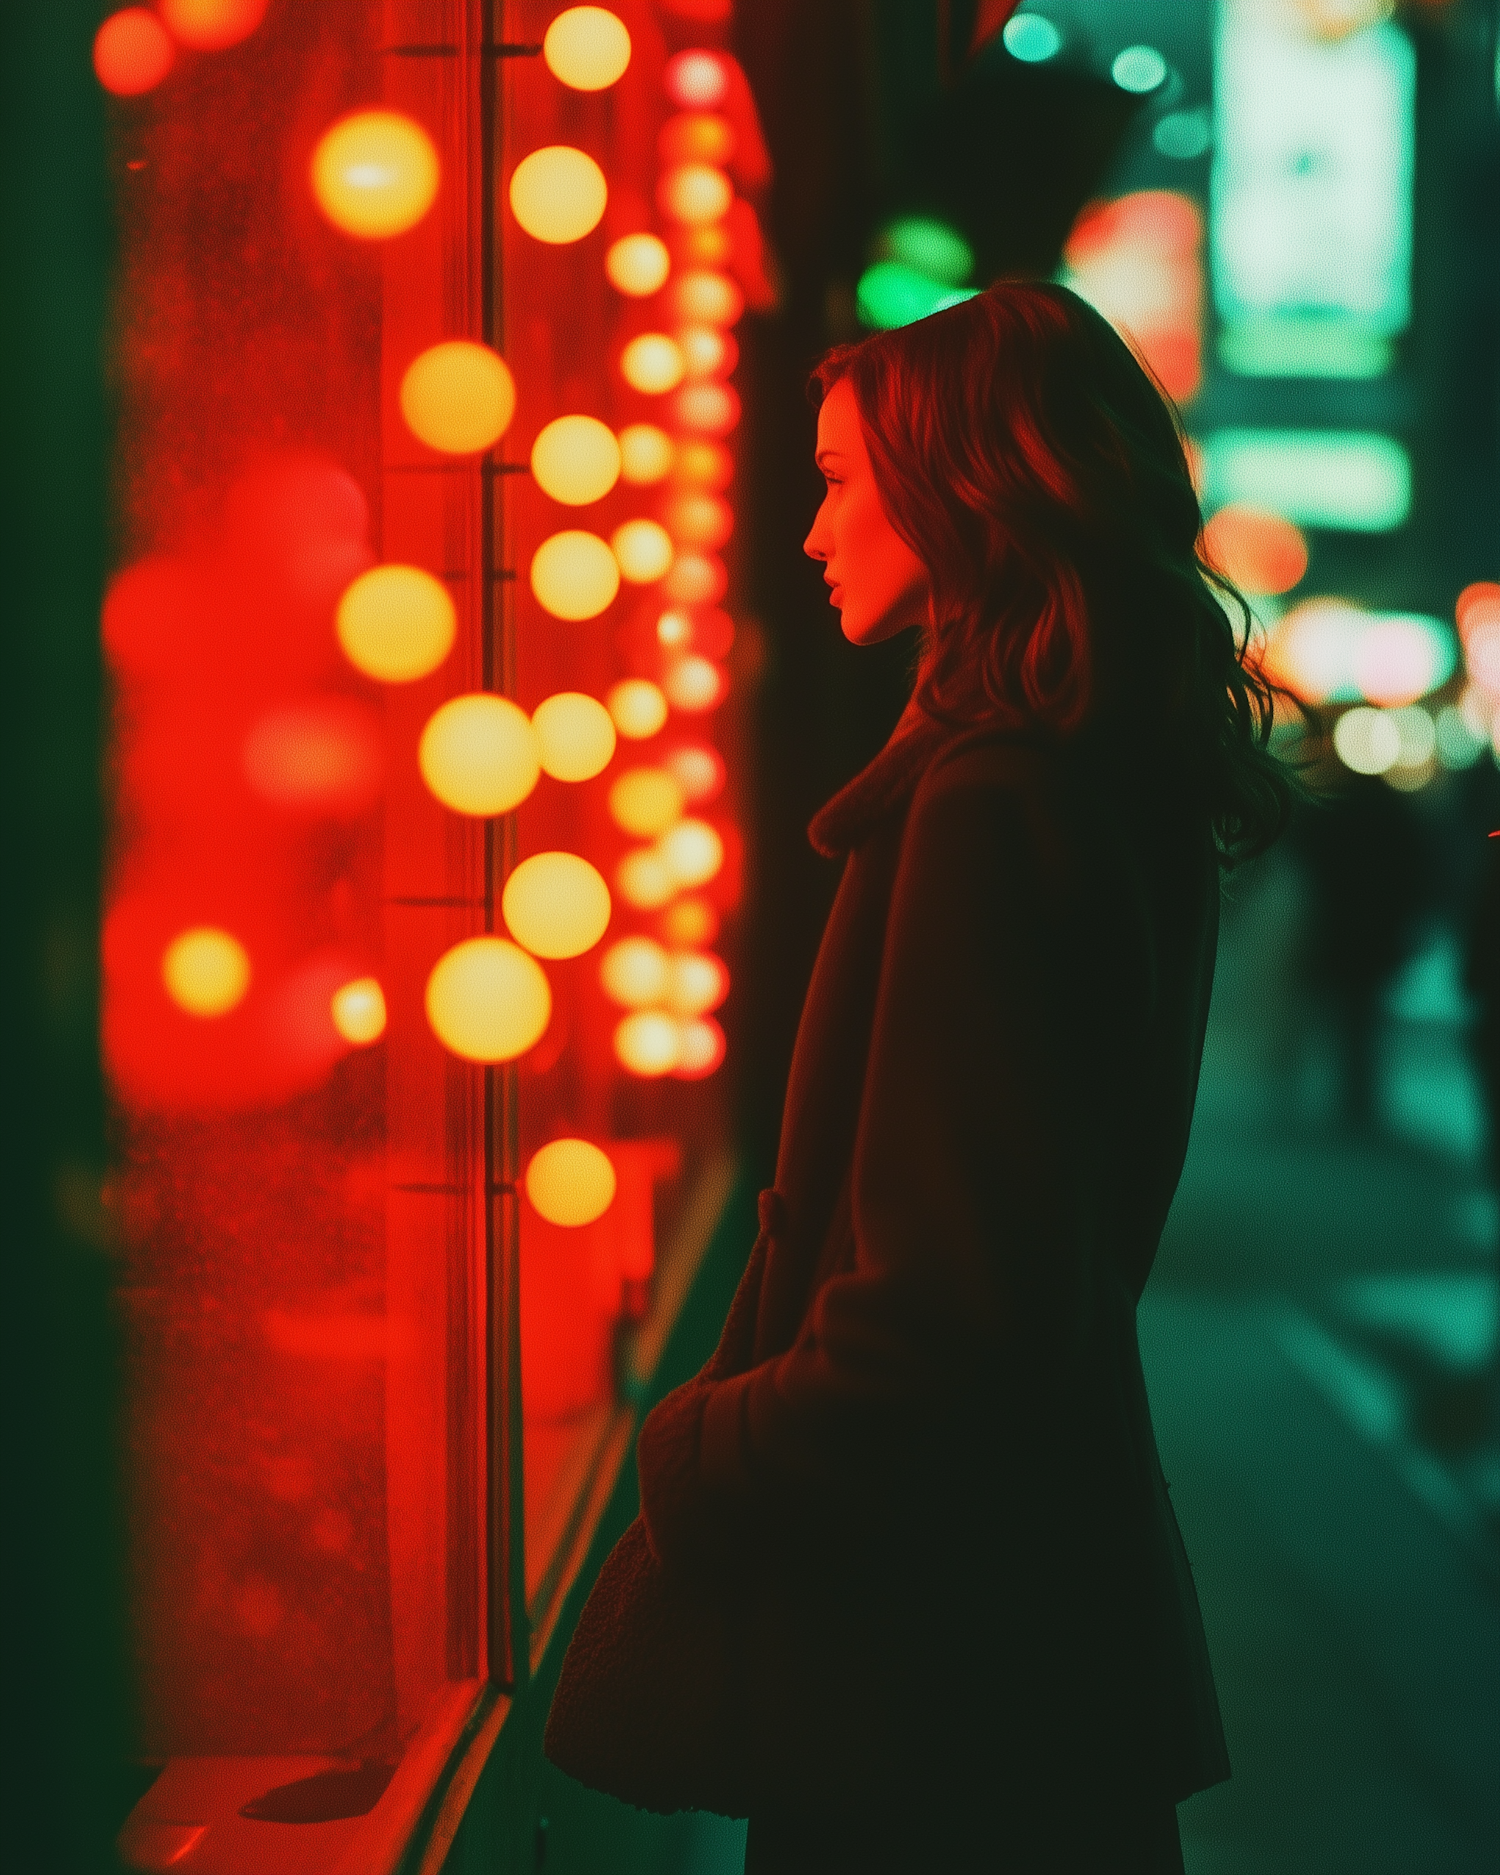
(827, 455)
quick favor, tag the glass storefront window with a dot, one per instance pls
(426, 777)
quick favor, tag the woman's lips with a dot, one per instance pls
(835, 595)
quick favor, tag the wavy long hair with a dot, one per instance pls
(1038, 472)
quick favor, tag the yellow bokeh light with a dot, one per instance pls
(700, 520)
(558, 194)
(643, 549)
(358, 1011)
(646, 454)
(556, 905)
(703, 464)
(646, 801)
(571, 1182)
(694, 193)
(647, 1043)
(574, 575)
(634, 973)
(697, 578)
(636, 707)
(697, 982)
(700, 1047)
(587, 48)
(478, 755)
(707, 245)
(396, 623)
(707, 351)
(576, 460)
(694, 684)
(652, 363)
(710, 409)
(696, 137)
(637, 264)
(575, 736)
(211, 25)
(692, 852)
(704, 297)
(458, 397)
(690, 921)
(487, 1000)
(206, 971)
(644, 879)
(375, 174)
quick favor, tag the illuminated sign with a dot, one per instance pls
(1354, 479)
(1311, 193)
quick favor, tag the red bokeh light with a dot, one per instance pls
(1263, 552)
(1478, 604)
(133, 52)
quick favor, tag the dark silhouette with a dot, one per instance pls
(907, 1585)
(1370, 880)
(1482, 981)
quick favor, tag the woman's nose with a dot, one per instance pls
(813, 546)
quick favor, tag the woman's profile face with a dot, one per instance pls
(879, 584)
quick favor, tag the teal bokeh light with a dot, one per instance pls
(1031, 37)
(1139, 68)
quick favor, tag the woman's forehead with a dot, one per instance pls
(838, 420)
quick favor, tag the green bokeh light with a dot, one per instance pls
(928, 247)
(890, 294)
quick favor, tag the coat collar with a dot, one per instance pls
(888, 784)
(881, 789)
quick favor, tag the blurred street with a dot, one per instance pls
(1316, 1335)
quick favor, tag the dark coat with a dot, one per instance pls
(931, 1489)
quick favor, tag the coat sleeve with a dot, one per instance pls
(964, 1200)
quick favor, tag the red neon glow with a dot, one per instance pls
(133, 52)
(320, 757)
(212, 25)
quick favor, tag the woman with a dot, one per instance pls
(917, 1480)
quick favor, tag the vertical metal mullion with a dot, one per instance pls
(509, 1646)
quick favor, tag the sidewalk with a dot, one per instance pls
(1318, 1335)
